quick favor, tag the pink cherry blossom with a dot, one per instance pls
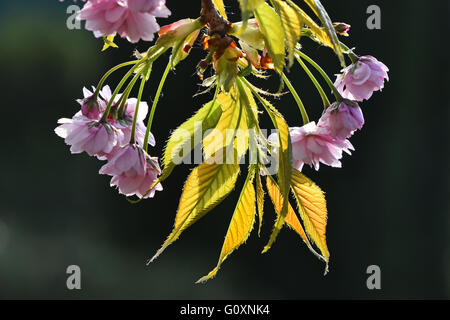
(84, 134)
(87, 132)
(131, 19)
(342, 119)
(359, 81)
(312, 145)
(133, 172)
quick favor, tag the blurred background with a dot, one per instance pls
(388, 206)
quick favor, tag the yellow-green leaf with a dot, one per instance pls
(292, 24)
(248, 6)
(241, 223)
(182, 140)
(271, 28)
(249, 32)
(220, 7)
(313, 210)
(231, 129)
(320, 11)
(291, 219)
(259, 199)
(205, 188)
(284, 168)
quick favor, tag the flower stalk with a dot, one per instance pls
(297, 99)
(111, 71)
(116, 91)
(322, 72)
(136, 111)
(155, 103)
(326, 102)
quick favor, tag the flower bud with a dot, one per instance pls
(341, 28)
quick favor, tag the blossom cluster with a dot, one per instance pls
(107, 134)
(110, 125)
(132, 19)
(118, 134)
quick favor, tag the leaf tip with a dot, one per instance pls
(209, 276)
(157, 254)
(326, 269)
(266, 248)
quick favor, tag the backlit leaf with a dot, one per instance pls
(271, 28)
(259, 199)
(291, 219)
(292, 24)
(205, 188)
(320, 11)
(241, 223)
(284, 168)
(248, 6)
(181, 141)
(313, 210)
(251, 36)
(227, 133)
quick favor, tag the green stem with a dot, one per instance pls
(107, 74)
(133, 128)
(349, 52)
(323, 73)
(122, 82)
(126, 94)
(326, 102)
(155, 103)
(297, 99)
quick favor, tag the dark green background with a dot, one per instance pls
(388, 205)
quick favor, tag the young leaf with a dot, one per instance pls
(241, 223)
(180, 142)
(251, 36)
(320, 11)
(319, 34)
(232, 119)
(249, 104)
(271, 28)
(284, 168)
(220, 7)
(205, 188)
(292, 24)
(248, 6)
(291, 218)
(313, 210)
(259, 199)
